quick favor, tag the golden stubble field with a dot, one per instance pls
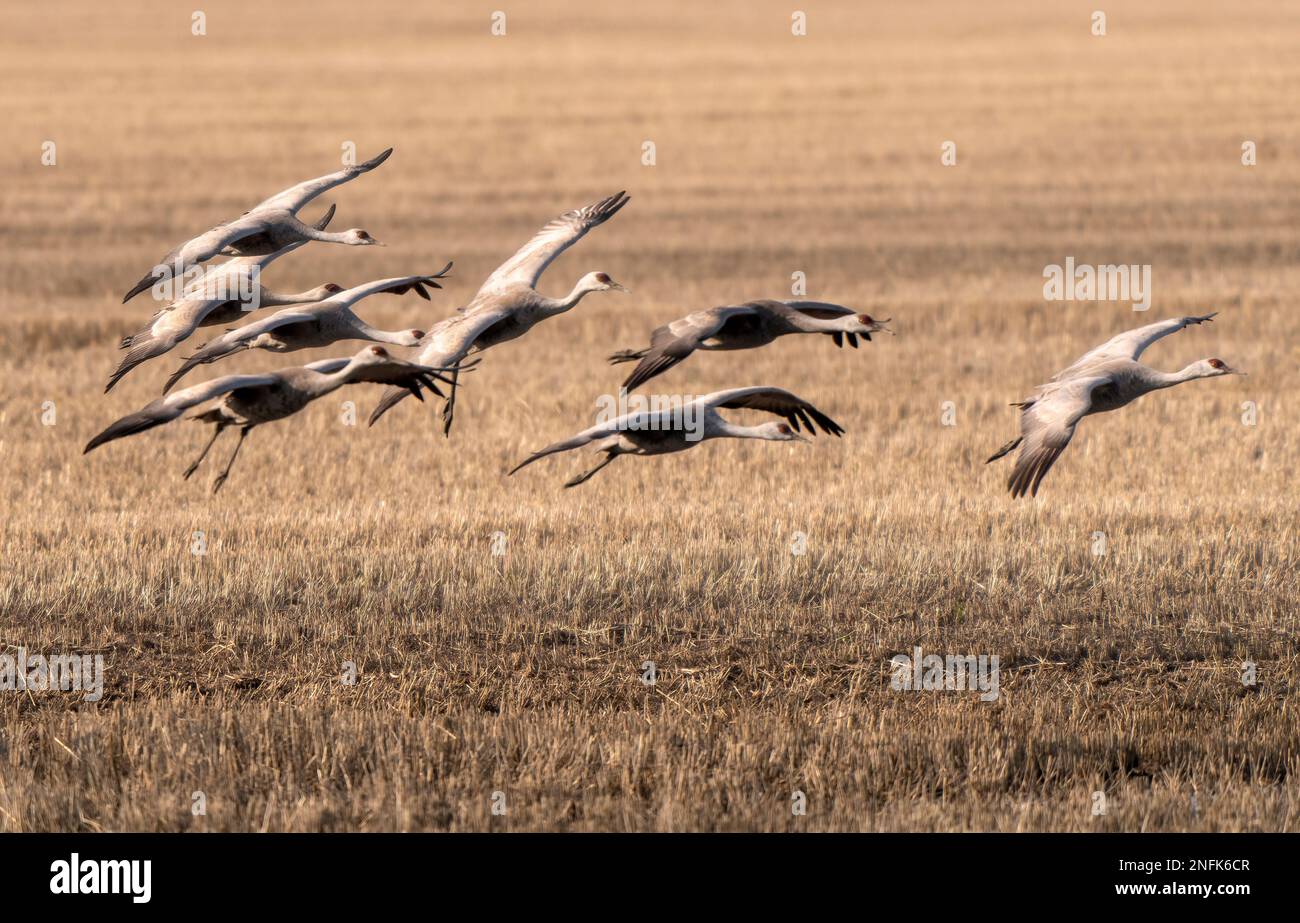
(521, 673)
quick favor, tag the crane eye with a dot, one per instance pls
(378, 351)
(1217, 363)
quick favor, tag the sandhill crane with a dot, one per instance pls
(268, 226)
(508, 304)
(1104, 379)
(677, 428)
(251, 400)
(743, 326)
(308, 326)
(208, 302)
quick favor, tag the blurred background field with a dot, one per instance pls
(775, 154)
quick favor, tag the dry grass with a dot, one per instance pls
(775, 154)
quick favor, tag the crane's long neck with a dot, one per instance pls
(268, 298)
(722, 429)
(846, 324)
(364, 331)
(329, 237)
(553, 306)
(1158, 379)
(322, 383)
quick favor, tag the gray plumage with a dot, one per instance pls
(677, 428)
(269, 226)
(247, 401)
(743, 326)
(309, 326)
(206, 303)
(508, 304)
(1104, 379)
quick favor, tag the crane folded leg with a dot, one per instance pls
(449, 408)
(225, 472)
(610, 454)
(194, 466)
(1005, 449)
(587, 475)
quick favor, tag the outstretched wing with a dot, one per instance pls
(776, 401)
(233, 341)
(407, 376)
(166, 409)
(328, 366)
(1047, 425)
(197, 250)
(247, 263)
(1133, 343)
(397, 372)
(395, 286)
(295, 197)
(387, 401)
(208, 245)
(585, 437)
(218, 283)
(558, 235)
(821, 310)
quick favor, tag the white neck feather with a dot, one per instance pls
(330, 237)
(560, 305)
(1192, 372)
(725, 429)
(269, 298)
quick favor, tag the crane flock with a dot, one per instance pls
(506, 307)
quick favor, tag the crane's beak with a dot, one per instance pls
(619, 288)
(879, 326)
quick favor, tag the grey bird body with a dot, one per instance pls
(309, 326)
(207, 302)
(676, 429)
(508, 304)
(1102, 380)
(267, 227)
(247, 401)
(743, 326)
